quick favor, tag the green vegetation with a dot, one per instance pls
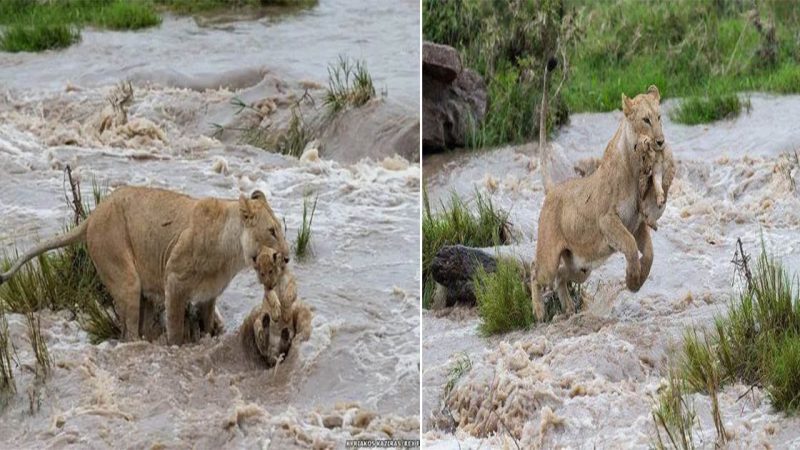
(757, 343)
(293, 142)
(64, 279)
(460, 366)
(456, 224)
(689, 49)
(203, 6)
(301, 244)
(6, 348)
(349, 85)
(674, 415)
(44, 362)
(509, 44)
(504, 301)
(33, 25)
(695, 110)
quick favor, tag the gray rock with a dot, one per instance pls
(440, 62)
(451, 105)
(454, 267)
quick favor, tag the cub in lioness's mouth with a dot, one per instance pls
(165, 245)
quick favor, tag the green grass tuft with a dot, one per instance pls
(349, 85)
(456, 224)
(33, 25)
(674, 415)
(64, 279)
(293, 142)
(127, 16)
(757, 343)
(303, 241)
(460, 366)
(38, 36)
(44, 362)
(504, 301)
(781, 375)
(7, 384)
(696, 110)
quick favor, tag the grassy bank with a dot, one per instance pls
(32, 26)
(455, 223)
(757, 343)
(64, 279)
(701, 51)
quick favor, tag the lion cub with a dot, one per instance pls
(270, 265)
(655, 162)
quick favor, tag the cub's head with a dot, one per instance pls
(644, 115)
(269, 267)
(262, 228)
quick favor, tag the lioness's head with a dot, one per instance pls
(643, 113)
(262, 228)
(269, 267)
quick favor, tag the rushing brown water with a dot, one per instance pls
(358, 375)
(590, 381)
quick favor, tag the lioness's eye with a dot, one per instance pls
(659, 117)
(647, 121)
(272, 230)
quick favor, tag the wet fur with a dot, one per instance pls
(584, 221)
(170, 248)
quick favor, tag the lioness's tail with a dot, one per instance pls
(73, 236)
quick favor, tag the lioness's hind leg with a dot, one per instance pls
(115, 266)
(123, 285)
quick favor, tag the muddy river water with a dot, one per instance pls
(358, 375)
(590, 381)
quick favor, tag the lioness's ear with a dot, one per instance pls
(258, 195)
(245, 209)
(653, 90)
(627, 105)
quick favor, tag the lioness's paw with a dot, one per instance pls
(632, 277)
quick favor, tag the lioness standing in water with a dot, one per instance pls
(585, 220)
(170, 247)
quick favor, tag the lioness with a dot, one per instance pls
(165, 245)
(585, 220)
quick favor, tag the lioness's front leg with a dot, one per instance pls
(645, 245)
(621, 240)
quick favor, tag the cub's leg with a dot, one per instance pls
(622, 241)
(645, 245)
(658, 183)
(112, 256)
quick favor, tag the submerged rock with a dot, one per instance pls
(454, 99)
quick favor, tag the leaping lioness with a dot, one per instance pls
(585, 220)
(170, 247)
